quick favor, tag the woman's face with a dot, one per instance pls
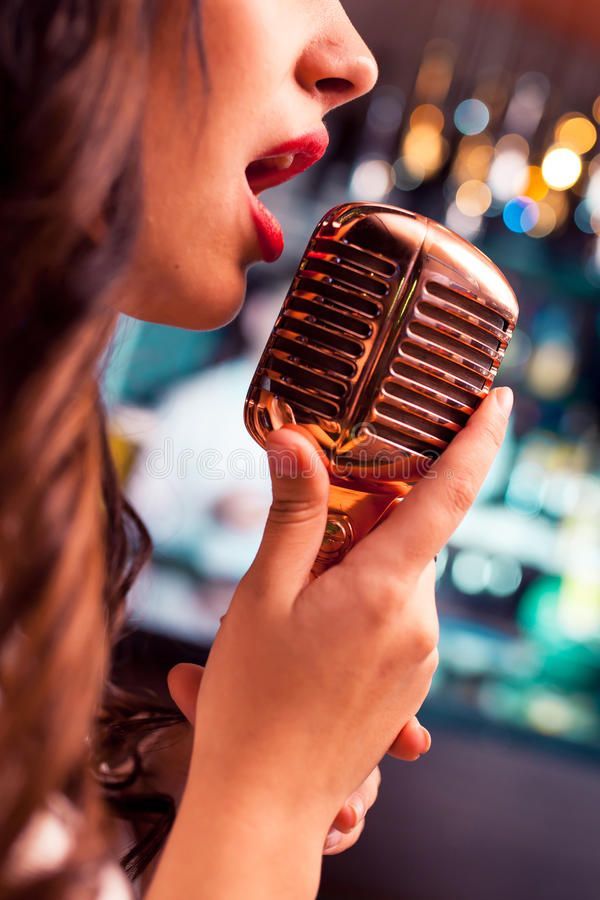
(273, 69)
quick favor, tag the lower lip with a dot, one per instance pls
(268, 229)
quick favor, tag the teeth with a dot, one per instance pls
(280, 162)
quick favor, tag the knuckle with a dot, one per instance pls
(382, 599)
(433, 661)
(295, 511)
(493, 433)
(424, 640)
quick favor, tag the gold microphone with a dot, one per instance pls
(390, 336)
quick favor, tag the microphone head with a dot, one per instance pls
(391, 334)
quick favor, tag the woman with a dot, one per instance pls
(135, 138)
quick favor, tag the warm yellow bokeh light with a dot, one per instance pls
(561, 168)
(596, 109)
(428, 114)
(473, 159)
(536, 188)
(552, 370)
(577, 133)
(424, 150)
(473, 198)
(478, 161)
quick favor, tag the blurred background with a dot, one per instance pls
(487, 118)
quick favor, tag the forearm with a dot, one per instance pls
(232, 845)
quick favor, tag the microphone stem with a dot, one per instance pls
(352, 515)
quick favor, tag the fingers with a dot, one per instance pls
(412, 742)
(183, 682)
(358, 804)
(337, 842)
(298, 514)
(422, 524)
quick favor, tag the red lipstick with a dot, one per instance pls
(270, 232)
(276, 166)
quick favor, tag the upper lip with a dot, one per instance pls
(262, 173)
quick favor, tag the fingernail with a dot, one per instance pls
(358, 808)
(426, 741)
(505, 399)
(333, 839)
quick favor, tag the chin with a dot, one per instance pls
(193, 303)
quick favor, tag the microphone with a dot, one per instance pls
(390, 336)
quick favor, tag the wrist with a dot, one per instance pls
(263, 777)
(236, 837)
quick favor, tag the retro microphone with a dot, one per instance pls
(390, 336)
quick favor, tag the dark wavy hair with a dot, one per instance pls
(70, 544)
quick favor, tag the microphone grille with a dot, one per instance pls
(446, 360)
(330, 317)
(391, 334)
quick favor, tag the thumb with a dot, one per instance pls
(298, 514)
(183, 682)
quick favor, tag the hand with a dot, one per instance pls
(413, 741)
(307, 686)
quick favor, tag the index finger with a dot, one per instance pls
(423, 522)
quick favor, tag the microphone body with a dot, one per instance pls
(390, 336)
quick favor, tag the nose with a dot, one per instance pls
(337, 66)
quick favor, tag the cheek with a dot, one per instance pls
(183, 278)
(188, 268)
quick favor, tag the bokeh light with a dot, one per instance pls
(436, 72)
(473, 158)
(583, 217)
(504, 576)
(577, 133)
(473, 198)
(471, 116)
(427, 114)
(528, 102)
(536, 188)
(592, 193)
(521, 215)
(372, 180)
(561, 168)
(546, 222)
(509, 172)
(470, 572)
(596, 109)
(467, 226)
(553, 368)
(424, 150)
(559, 203)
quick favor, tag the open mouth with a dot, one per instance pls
(274, 168)
(270, 171)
